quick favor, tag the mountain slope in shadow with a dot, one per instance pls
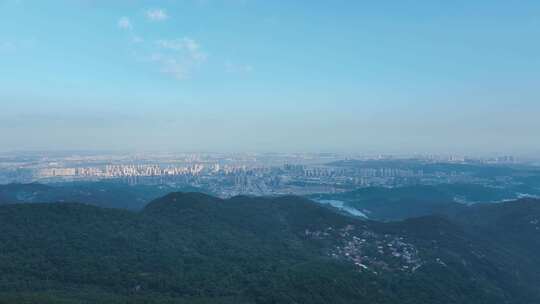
(195, 248)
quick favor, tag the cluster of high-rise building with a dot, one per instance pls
(150, 170)
(57, 172)
(257, 174)
(112, 171)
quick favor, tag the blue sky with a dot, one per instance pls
(252, 75)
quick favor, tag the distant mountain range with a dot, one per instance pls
(480, 170)
(102, 194)
(195, 248)
(400, 203)
(377, 203)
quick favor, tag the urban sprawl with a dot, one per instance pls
(233, 174)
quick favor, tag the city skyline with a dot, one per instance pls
(259, 76)
(227, 175)
(269, 151)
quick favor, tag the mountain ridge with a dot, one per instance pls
(189, 247)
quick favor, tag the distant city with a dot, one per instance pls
(227, 175)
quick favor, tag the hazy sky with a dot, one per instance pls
(260, 75)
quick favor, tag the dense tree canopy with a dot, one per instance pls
(194, 248)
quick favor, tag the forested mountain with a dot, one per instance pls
(109, 194)
(400, 203)
(194, 248)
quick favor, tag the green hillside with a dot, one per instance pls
(108, 194)
(194, 248)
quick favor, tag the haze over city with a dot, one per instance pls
(269, 152)
(248, 75)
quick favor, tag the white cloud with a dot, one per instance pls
(155, 57)
(176, 64)
(124, 23)
(176, 45)
(179, 70)
(157, 15)
(186, 45)
(238, 68)
(178, 57)
(7, 47)
(137, 39)
(17, 45)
